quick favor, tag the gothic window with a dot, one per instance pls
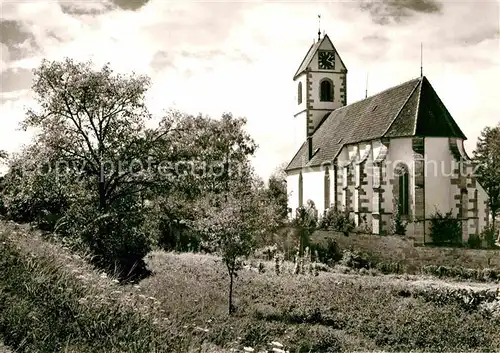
(404, 188)
(301, 191)
(327, 188)
(326, 90)
(299, 93)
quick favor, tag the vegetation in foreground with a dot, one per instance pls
(54, 301)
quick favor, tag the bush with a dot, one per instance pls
(390, 267)
(354, 259)
(489, 235)
(175, 235)
(480, 275)
(474, 242)
(328, 253)
(116, 239)
(334, 219)
(445, 228)
(398, 225)
(32, 195)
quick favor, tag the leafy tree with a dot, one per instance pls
(231, 227)
(218, 153)
(277, 191)
(33, 191)
(93, 122)
(487, 155)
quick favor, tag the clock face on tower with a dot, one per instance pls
(326, 60)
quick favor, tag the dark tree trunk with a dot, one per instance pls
(231, 278)
(102, 195)
(493, 221)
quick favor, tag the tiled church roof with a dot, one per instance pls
(410, 109)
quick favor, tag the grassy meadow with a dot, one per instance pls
(53, 301)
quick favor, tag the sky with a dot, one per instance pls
(240, 56)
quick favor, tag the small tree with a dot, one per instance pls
(277, 192)
(487, 155)
(230, 230)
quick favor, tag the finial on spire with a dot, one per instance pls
(421, 60)
(319, 28)
(366, 91)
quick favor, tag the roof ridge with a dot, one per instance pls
(375, 95)
(369, 98)
(402, 106)
(417, 110)
(304, 59)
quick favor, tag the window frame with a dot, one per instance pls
(323, 97)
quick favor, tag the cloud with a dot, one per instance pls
(86, 7)
(17, 40)
(212, 57)
(397, 11)
(130, 4)
(15, 80)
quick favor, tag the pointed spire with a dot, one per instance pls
(319, 28)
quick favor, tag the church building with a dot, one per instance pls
(399, 149)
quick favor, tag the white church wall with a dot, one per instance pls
(482, 198)
(400, 151)
(439, 165)
(292, 189)
(314, 187)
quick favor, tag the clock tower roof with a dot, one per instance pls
(312, 51)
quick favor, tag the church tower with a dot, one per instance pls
(321, 83)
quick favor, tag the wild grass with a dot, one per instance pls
(52, 300)
(399, 249)
(343, 312)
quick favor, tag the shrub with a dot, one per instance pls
(474, 241)
(364, 227)
(489, 235)
(398, 225)
(328, 253)
(116, 239)
(390, 267)
(334, 219)
(175, 235)
(354, 259)
(480, 275)
(445, 228)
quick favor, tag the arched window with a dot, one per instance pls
(404, 187)
(326, 90)
(299, 93)
(327, 188)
